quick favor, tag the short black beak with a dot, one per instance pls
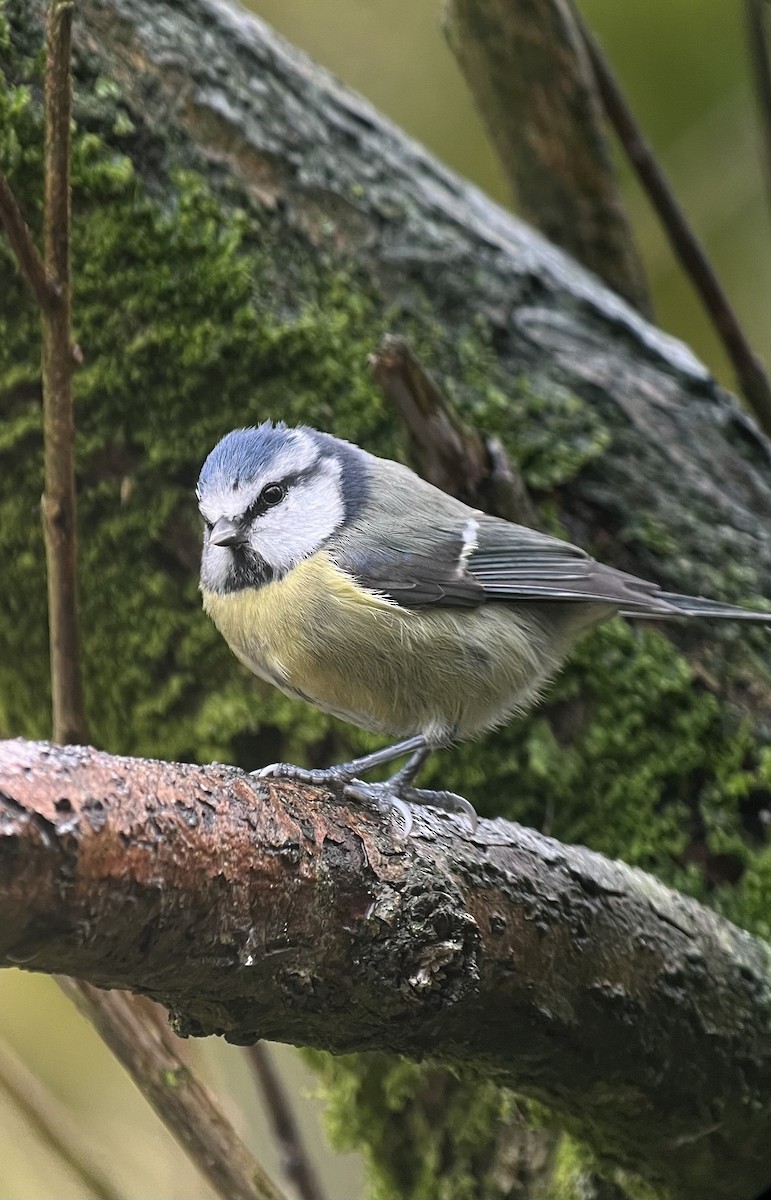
(226, 533)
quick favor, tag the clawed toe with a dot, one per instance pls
(318, 777)
(389, 799)
(272, 771)
(447, 801)
(386, 799)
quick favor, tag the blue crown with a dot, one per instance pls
(243, 454)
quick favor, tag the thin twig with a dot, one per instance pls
(295, 1158)
(53, 1124)
(756, 20)
(69, 721)
(141, 1041)
(24, 248)
(750, 372)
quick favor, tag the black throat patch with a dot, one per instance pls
(246, 569)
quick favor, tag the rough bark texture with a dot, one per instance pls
(256, 910)
(245, 233)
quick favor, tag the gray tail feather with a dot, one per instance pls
(698, 606)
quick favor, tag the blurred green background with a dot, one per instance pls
(683, 65)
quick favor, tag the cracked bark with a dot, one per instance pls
(267, 910)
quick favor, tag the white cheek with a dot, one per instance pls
(217, 567)
(297, 527)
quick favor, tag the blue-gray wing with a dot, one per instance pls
(428, 570)
(466, 562)
(481, 559)
(511, 562)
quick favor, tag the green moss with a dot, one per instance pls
(550, 432)
(189, 326)
(191, 321)
(577, 1176)
(638, 760)
(427, 1132)
(175, 1077)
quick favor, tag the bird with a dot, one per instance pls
(347, 581)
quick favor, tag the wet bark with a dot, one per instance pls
(267, 910)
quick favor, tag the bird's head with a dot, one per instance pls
(270, 496)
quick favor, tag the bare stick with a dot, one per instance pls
(146, 1049)
(18, 234)
(756, 20)
(750, 372)
(53, 1124)
(69, 722)
(295, 1158)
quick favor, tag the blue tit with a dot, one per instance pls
(347, 581)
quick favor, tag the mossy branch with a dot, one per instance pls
(446, 450)
(264, 910)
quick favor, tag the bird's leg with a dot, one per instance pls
(397, 793)
(343, 773)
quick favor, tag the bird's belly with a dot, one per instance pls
(443, 672)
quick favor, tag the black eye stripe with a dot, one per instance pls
(261, 504)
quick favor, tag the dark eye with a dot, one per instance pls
(273, 493)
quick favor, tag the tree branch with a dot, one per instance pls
(20, 238)
(140, 1039)
(260, 910)
(295, 1159)
(446, 450)
(756, 21)
(528, 71)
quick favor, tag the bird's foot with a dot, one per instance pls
(342, 773)
(393, 796)
(335, 777)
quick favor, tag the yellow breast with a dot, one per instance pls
(305, 634)
(317, 635)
